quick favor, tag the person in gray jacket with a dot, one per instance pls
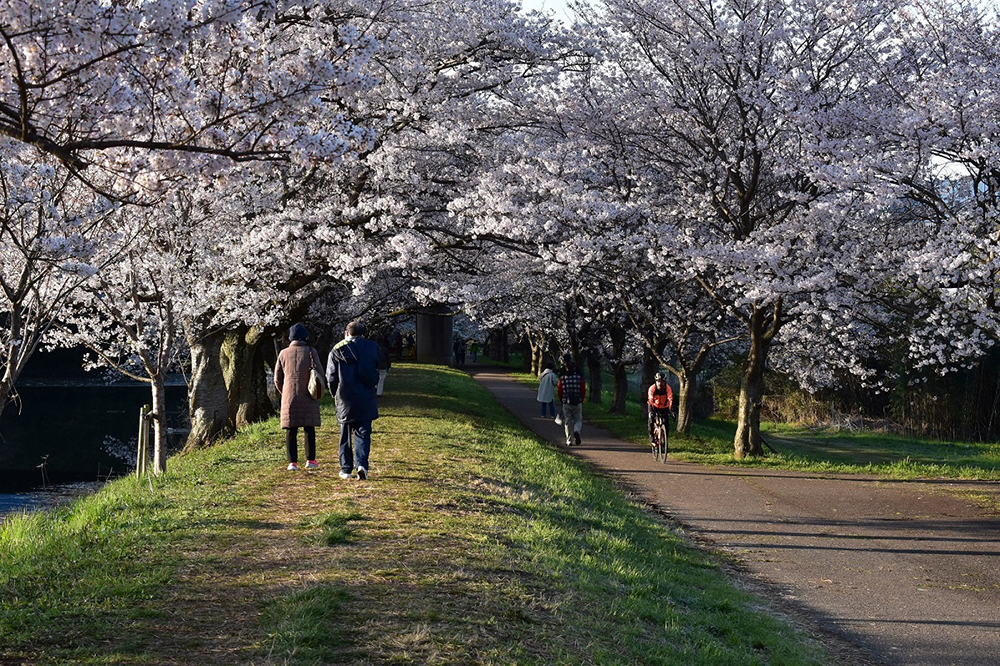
(352, 375)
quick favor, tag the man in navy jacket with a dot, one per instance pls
(352, 375)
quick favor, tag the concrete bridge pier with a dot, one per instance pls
(434, 335)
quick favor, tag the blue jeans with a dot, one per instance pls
(551, 405)
(362, 444)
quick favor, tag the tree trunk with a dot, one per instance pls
(529, 355)
(747, 442)
(243, 367)
(594, 370)
(504, 345)
(538, 354)
(686, 389)
(619, 372)
(159, 392)
(208, 399)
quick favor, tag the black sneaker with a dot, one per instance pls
(576, 436)
(362, 473)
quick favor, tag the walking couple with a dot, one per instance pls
(571, 389)
(352, 375)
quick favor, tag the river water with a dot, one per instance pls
(68, 430)
(43, 498)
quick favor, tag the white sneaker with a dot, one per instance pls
(292, 467)
(362, 473)
(344, 475)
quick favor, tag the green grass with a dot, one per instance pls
(333, 528)
(473, 542)
(811, 450)
(307, 626)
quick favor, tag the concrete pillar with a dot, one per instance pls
(434, 335)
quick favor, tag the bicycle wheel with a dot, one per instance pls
(662, 436)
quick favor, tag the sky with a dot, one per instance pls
(557, 7)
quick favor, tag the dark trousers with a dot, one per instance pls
(292, 447)
(651, 419)
(355, 443)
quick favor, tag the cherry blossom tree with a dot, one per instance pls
(131, 98)
(53, 236)
(946, 164)
(127, 315)
(304, 236)
(748, 119)
(118, 89)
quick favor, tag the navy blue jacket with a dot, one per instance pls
(352, 375)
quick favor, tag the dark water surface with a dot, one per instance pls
(43, 498)
(78, 430)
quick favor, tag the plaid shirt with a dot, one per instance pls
(572, 388)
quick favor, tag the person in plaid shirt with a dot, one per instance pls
(572, 391)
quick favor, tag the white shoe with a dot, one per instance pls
(344, 475)
(362, 473)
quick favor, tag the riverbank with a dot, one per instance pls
(473, 542)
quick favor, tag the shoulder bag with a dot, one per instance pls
(316, 384)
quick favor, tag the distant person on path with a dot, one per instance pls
(383, 369)
(298, 408)
(547, 384)
(659, 400)
(474, 348)
(352, 374)
(398, 345)
(572, 391)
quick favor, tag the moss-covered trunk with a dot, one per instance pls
(246, 383)
(208, 399)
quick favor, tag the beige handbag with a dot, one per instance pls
(316, 384)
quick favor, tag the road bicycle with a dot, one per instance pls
(659, 444)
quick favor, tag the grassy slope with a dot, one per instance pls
(472, 543)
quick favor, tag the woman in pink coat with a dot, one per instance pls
(298, 409)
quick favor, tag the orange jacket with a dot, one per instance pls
(661, 399)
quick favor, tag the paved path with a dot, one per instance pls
(903, 573)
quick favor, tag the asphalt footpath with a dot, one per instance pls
(883, 572)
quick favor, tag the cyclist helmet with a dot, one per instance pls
(660, 377)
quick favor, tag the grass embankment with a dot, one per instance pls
(473, 542)
(811, 450)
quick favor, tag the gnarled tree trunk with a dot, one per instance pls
(228, 384)
(208, 399)
(244, 370)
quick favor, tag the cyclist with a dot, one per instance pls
(660, 402)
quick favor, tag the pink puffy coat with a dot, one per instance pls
(291, 377)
